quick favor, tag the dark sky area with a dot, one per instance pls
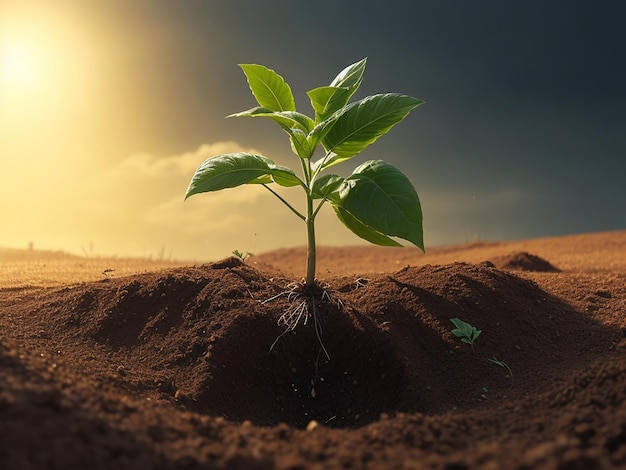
(523, 133)
(525, 100)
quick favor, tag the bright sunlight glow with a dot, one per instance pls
(19, 63)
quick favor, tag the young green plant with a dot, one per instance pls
(376, 202)
(241, 254)
(466, 332)
(469, 334)
(504, 365)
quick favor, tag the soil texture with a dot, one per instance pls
(232, 364)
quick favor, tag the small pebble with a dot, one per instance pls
(312, 425)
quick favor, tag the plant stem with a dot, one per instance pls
(311, 253)
(284, 202)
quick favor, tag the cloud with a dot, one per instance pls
(148, 165)
(141, 204)
(136, 207)
(160, 177)
(143, 208)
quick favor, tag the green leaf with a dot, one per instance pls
(351, 77)
(297, 120)
(284, 176)
(328, 161)
(297, 125)
(286, 119)
(360, 124)
(322, 128)
(465, 331)
(382, 198)
(269, 88)
(300, 144)
(328, 99)
(362, 230)
(234, 169)
(326, 185)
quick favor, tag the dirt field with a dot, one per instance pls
(130, 364)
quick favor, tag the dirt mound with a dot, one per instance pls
(523, 261)
(183, 368)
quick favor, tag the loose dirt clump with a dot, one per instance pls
(181, 369)
(523, 261)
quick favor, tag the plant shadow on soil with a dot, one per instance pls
(200, 337)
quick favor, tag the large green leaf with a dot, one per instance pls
(362, 230)
(234, 169)
(361, 126)
(269, 88)
(380, 197)
(361, 123)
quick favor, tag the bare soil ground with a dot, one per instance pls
(131, 364)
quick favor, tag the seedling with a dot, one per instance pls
(466, 332)
(469, 334)
(241, 255)
(504, 365)
(376, 202)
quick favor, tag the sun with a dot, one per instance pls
(19, 63)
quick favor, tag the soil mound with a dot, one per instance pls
(523, 261)
(189, 367)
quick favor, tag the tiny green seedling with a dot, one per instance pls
(242, 255)
(469, 334)
(504, 365)
(466, 332)
(376, 202)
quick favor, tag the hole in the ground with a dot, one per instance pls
(295, 382)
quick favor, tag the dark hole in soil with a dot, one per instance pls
(295, 382)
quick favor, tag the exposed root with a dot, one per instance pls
(327, 295)
(302, 308)
(293, 290)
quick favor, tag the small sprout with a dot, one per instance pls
(483, 395)
(466, 332)
(504, 365)
(241, 255)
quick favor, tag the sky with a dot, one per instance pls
(107, 107)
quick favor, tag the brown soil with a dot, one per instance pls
(185, 367)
